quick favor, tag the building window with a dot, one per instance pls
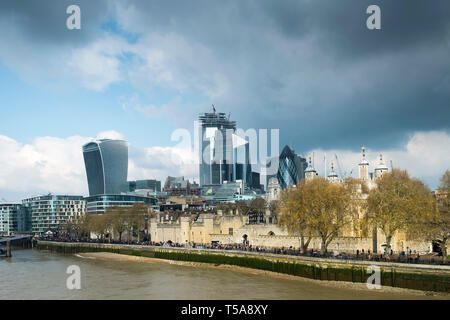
(230, 231)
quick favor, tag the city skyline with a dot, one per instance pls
(138, 71)
(79, 184)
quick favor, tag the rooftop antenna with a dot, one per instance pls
(214, 109)
(229, 115)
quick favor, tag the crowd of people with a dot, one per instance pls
(403, 257)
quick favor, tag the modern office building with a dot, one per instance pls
(216, 148)
(255, 182)
(149, 184)
(178, 186)
(50, 211)
(99, 204)
(291, 168)
(175, 182)
(106, 163)
(242, 166)
(9, 215)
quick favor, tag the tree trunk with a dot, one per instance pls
(323, 248)
(388, 246)
(444, 250)
(304, 245)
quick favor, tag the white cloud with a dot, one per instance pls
(426, 156)
(170, 61)
(47, 164)
(97, 65)
(160, 162)
(111, 134)
(56, 165)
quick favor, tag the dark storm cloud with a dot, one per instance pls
(364, 86)
(341, 25)
(310, 68)
(44, 21)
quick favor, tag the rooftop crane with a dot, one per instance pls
(339, 167)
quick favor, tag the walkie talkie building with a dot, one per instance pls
(106, 163)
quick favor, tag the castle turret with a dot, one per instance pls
(310, 172)
(381, 168)
(332, 176)
(364, 166)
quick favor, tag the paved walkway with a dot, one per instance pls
(276, 256)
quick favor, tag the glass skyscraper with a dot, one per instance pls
(291, 168)
(216, 152)
(106, 163)
(243, 168)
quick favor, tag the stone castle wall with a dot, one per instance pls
(235, 229)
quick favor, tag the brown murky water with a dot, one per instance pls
(31, 274)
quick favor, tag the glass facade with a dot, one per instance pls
(50, 211)
(154, 185)
(9, 218)
(216, 152)
(100, 203)
(106, 163)
(291, 168)
(243, 168)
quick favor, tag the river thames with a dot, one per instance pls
(32, 274)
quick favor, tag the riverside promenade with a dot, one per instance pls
(413, 276)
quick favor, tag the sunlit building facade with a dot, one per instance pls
(50, 211)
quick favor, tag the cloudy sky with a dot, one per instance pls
(141, 69)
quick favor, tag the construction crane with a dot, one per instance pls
(339, 167)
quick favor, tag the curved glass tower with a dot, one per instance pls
(106, 163)
(291, 168)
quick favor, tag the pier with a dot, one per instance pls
(18, 241)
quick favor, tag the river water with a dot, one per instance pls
(32, 274)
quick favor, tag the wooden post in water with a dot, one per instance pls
(8, 249)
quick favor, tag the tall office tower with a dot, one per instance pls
(216, 152)
(242, 167)
(106, 164)
(291, 168)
